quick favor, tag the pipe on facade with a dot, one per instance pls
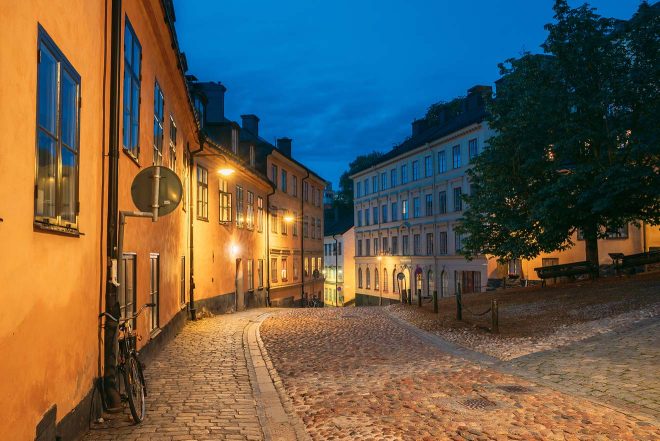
(302, 236)
(334, 236)
(113, 400)
(191, 302)
(267, 233)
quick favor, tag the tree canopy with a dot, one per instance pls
(576, 139)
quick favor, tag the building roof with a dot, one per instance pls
(340, 226)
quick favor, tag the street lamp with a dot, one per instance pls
(226, 171)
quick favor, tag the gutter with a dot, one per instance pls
(302, 236)
(191, 304)
(267, 233)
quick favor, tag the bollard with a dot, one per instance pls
(459, 305)
(410, 296)
(435, 301)
(419, 298)
(495, 319)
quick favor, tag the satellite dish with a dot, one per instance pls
(170, 190)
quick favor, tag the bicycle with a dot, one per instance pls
(129, 365)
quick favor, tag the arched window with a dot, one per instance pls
(430, 283)
(445, 285)
(376, 280)
(359, 277)
(418, 283)
(368, 279)
(385, 280)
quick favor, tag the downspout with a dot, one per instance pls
(191, 306)
(113, 400)
(267, 232)
(334, 236)
(302, 236)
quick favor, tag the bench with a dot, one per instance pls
(566, 270)
(640, 259)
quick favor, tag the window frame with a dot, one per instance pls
(203, 191)
(133, 151)
(225, 214)
(159, 123)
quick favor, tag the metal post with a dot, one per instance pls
(494, 317)
(459, 304)
(409, 296)
(435, 301)
(419, 298)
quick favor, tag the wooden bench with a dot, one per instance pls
(640, 259)
(566, 270)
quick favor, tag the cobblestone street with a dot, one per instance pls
(357, 374)
(199, 388)
(619, 367)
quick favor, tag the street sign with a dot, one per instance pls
(170, 190)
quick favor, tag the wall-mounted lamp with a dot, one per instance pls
(226, 171)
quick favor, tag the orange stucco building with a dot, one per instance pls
(91, 94)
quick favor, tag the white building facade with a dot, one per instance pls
(407, 207)
(339, 264)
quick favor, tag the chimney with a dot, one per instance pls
(418, 126)
(284, 146)
(476, 97)
(251, 124)
(215, 105)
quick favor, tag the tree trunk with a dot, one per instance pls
(591, 246)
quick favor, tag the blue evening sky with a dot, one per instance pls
(348, 77)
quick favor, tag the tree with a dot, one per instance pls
(345, 193)
(576, 144)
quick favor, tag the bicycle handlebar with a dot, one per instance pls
(114, 319)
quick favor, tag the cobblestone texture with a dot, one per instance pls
(620, 367)
(199, 388)
(355, 374)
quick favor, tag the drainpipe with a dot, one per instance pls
(302, 236)
(113, 400)
(191, 305)
(334, 236)
(267, 232)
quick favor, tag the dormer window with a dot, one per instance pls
(252, 156)
(199, 108)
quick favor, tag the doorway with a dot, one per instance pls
(240, 294)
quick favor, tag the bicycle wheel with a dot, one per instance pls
(135, 387)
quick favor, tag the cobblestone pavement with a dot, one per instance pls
(356, 374)
(620, 367)
(199, 388)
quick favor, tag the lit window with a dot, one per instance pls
(132, 75)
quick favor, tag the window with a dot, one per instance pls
(383, 181)
(368, 279)
(442, 162)
(549, 261)
(273, 221)
(367, 247)
(313, 228)
(126, 290)
(358, 189)
(429, 244)
(260, 214)
(306, 191)
(385, 245)
(132, 75)
(240, 215)
(416, 208)
(428, 205)
(359, 277)
(58, 119)
(430, 283)
(442, 242)
(154, 290)
(395, 212)
(404, 245)
(376, 280)
(273, 174)
(385, 280)
(404, 174)
(359, 218)
(376, 247)
(617, 233)
(253, 158)
(260, 273)
(234, 141)
(224, 201)
(339, 249)
(296, 269)
(456, 156)
(395, 245)
(458, 242)
(182, 294)
(295, 223)
(284, 179)
(306, 227)
(374, 212)
(393, 177)
(366, 216)
(294, 184)
(159, 104)
(284, 268)
(250, 210)
(404, 209)
(428, 166)
(318, 229)
(417, 247)
(250, 274)
(415, 170)
(172, 153)
(366, 186)
(283, 225)
(442, 202)
(458, 199)
(374, 184)
(273, 269)
(306, 267)
(202, 193)
(473, 149)
(359, 247)
(383, 214)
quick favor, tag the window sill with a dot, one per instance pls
(154, 333)
(56, 229)
(132, 157)
(202, 219)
